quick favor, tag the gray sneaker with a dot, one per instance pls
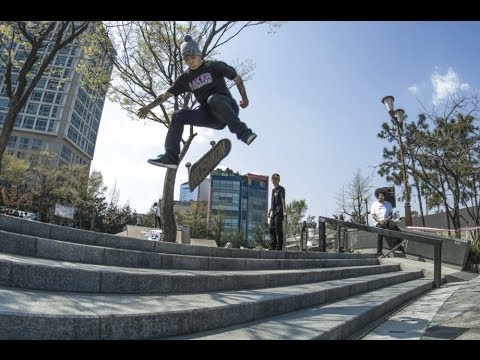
(164, 161)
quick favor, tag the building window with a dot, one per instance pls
(36, 95)
(72, 134)
(12, 141)
(66, 153)
(32, 108)
(4, 104)
(70, 61)
(75, 120)
(41, 124)
(28, 122)
(61, 60)
(52, 126)
(48, 97)
(23, 143)
(45, 110)
(52, 84)
(41, 83)
(37, 144)
(55, 110)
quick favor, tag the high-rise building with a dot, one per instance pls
(59, 116)
(254, 203)
(225, 199)
(201, 192)
(242, 201)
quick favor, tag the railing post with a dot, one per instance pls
(337, 238)
(322, 235)
(304, 236)
(437, 264)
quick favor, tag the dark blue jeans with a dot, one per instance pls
(276, 232)
(218, 112)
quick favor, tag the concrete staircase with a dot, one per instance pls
(63, 283)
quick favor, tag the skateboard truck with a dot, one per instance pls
(188, 165)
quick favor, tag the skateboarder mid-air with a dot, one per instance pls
(206, 79)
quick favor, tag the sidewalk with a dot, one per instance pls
(451, 312)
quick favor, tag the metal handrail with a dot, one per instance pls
(435, 241)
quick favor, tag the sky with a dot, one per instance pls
(315, 103)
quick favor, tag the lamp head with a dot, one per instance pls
(388, 102)
(400, 116)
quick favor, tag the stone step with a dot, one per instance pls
(31, 314)
(104, 255)
(333, 321)
(20, 271)
(20, 231)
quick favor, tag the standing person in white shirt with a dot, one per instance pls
(156, 210)
(382, 213)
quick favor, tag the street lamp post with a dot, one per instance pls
(397, 116)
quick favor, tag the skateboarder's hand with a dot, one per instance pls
(143, 112)
(243, 103)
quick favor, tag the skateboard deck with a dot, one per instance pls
(207, 163)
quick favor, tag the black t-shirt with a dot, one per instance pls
(208, 79)
(278, 194)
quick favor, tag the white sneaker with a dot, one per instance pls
(250, 138)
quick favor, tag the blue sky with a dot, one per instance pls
(315, 103)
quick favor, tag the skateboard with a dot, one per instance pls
(208, 162)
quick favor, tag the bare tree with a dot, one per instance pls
(353, 201)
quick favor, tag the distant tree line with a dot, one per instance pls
(35, 186)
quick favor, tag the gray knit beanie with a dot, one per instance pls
(190, 47)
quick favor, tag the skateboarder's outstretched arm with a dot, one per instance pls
(143, 112)
(241, 89)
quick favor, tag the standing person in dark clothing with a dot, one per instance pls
(218, 109)
(276, 214)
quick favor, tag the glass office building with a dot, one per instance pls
(243, 201)
(254, 203)
(201, 192)
(225, 199)
(59, 115)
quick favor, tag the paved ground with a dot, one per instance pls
(451, 312)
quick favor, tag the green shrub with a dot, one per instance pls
(473, 255)
(237, 239)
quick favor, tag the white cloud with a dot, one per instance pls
(446, 85)
(204, 135)
(122, 149)
(413, 89)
